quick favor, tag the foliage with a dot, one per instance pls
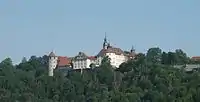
(147, 78)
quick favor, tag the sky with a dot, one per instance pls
(36, 27)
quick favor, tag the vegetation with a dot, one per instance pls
(148, 78)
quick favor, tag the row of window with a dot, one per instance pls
(80, 64)
(80, 67)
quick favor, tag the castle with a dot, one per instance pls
(82, 61)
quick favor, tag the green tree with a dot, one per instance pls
(136, 80)
(165, 58)
(24, 60)
(106, 61)
(92, 65)
(105, 71)
(154, 55)
(6, 63)
(181, 57)
(172, 58)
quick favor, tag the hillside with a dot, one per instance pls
(148, 78)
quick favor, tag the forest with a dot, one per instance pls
(149, 77)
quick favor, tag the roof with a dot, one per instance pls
(80, 56)
(83, 56)
(92, 57)
(63, 61)
(52, 54)
(117, 51)
(196, 58)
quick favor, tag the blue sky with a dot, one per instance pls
(35, 27)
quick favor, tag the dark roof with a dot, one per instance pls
(117, 51)
(80, 56)
(83, 56)
(52, 54)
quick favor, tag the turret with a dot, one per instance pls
(52, 63)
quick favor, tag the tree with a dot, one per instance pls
(165, 58)
(154, 55)
(124, 68)
(6, 63)
(105, 72)
(140, 58)
(92, 65)
(181, 57)
(172, 58)
(136, 80)
(24, 60)
(106, 61)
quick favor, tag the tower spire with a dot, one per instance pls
(105, 43)
(132, 49)
(105, 39)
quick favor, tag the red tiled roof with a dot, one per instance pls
(196, 58)
(92, 57)
(63, 61)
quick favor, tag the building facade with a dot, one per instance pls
(117, 56)
(82, 61)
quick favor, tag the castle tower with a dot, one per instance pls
(52, 63)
